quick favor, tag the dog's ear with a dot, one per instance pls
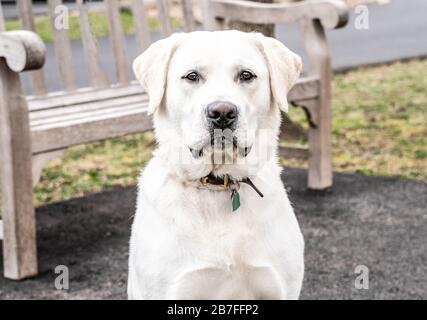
(284, 67)
(151, 68)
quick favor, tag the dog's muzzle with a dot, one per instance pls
(222, 115)
(222, 119)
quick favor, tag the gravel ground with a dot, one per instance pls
(373, 221)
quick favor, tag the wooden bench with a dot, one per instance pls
(37, 128)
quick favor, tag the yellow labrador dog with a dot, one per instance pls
(213, 219)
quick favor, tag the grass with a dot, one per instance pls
(98, 22)
(379, 128)
(379, 121)
(90, 168)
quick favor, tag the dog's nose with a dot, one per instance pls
(221, 114)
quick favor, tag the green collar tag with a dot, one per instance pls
(235, 200)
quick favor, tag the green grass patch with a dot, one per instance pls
(379, 128)
(94, 167)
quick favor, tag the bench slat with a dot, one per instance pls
(118, 41)
(82, 133)
(97, 77)
(26, 16)
(188, 15)
(332, 14)
(2, 23)
(62, 45)
(93, 116)
(142, 33)
(165, 21)
(61, 99)
(47, 114)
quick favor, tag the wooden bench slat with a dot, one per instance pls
(2, 23)
(118, 41)
(26, 16)
(62, 46)
(89, 116)
(164, 16)
(25, 11)
(97, 77)
(81, 133)
(92, 116)
(61, 99)
(332, 14)
(46, 114)
(188, 15)
(142, 33)
(90, 105)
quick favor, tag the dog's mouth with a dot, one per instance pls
(196, 153)
(220, 144)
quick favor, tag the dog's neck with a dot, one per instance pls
(227, 183)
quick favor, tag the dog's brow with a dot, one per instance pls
(245, 64)
(194, 67)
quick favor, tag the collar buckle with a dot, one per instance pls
(226, 181)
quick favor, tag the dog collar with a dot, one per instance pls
(225, 183)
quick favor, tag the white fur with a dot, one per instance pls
(186, 242)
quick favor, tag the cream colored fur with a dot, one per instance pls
(186, 242)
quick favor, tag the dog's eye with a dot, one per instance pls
(192, 76)
(246, 75)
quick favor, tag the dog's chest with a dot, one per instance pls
(232, 255)
(228, 263)
(191, 245)
(212, 227)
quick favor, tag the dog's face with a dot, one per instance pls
(216, 98)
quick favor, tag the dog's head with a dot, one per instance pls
(216, 98)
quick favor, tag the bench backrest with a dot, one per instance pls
(122, 50)
(97, 75)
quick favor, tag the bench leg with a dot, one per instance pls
(319, 135)
(17, 208)
(319, 143)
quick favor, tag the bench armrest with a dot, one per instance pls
(22, 50)
(331, 13)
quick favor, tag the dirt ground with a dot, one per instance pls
(380, 223)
